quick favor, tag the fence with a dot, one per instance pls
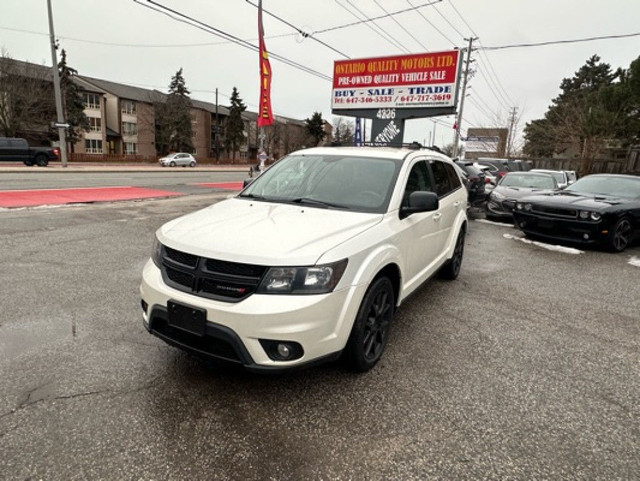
(599, 166)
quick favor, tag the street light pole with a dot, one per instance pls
(56, 90)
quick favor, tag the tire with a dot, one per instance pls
(451, 269)
(370, 331)
(28, 162)
(42, 160)
(172, 164)
(620, 235)
(192, 163)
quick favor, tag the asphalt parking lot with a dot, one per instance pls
(526, 367)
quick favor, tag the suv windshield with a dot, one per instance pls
(605, 185)
(362, 184)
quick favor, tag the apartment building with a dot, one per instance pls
(122, 121)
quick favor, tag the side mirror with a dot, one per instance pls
(420, 201)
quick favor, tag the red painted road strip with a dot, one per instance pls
(30, 198)
(223, 185)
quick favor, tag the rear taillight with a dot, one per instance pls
(56, 151)
(474, 179)
(487, 180)
(502, 174)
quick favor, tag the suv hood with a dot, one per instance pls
(264, 233)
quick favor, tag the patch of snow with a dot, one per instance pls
(551, 247)
(634, 261)
(485, 221)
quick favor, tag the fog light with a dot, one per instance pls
(585, 236)
(284, 351)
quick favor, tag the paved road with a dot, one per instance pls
(527, 367)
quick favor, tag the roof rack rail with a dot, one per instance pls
(407, 145)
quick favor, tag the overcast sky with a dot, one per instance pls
(124, 41)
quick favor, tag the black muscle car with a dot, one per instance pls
(602, 209)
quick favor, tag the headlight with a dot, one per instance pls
(596, 216)
(519, 206)
(302, 280)
(527, 207)
(497, 196)
(584, 214)
(156, 255)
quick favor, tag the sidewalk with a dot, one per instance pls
(104, 167)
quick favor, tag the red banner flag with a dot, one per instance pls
(265, 116)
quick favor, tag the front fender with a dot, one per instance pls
(460, 222)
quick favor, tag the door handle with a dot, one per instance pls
(436, 216)
(457, 203)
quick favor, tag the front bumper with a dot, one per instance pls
(503, 209)
(321, 324)
(568, 230)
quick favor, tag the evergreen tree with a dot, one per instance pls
(234, 135)
(315, 128)
(178, 114)
(72, 103)
(595, 108)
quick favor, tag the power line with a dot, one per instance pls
(371, 19)
(402, 26)
(171, 13)
(432, 24)
(496, 79)
(377, 30)
(139, 45)
(558, 42)
(304, 34)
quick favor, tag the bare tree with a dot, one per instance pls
(26, 99)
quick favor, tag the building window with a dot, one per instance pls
(129, 128)
(128, 107)
(130, 148)
(92, 101)
(93, 146)
(95, 124)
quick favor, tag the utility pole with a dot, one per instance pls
(511, 133)
(217, 130)
(60, 124)
(464, 92)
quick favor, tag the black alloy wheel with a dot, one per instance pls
(42, 160)
(451, 269)
(370, 331)
(620, 235)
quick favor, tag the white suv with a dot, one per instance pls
(310, 260)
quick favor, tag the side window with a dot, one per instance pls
(440, 177)
(454, 179)
(418, 180)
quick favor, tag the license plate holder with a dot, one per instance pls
(187, 318)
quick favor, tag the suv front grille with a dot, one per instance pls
(210, 278)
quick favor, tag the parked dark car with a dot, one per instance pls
(602, 209)
(514, 186)
(16, 149)
(497, 167)
(475, 180)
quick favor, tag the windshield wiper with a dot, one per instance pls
(253, 196)
(315, 202)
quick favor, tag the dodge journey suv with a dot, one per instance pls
(310, 260)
